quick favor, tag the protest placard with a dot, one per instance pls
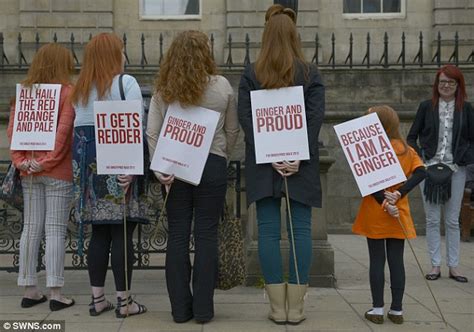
(184, 142)
(370, 155)
(279, 125)
(119, 137)
(36, 117)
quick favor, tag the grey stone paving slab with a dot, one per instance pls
(245, 309)
(92, 326)
(324, 321)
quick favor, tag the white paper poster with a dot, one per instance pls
(279, 125)
(184, 142)
(119, 137)
(370, 155)
(36, 117)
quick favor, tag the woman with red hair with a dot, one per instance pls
(99, 197)
(443, 132)
(47, 184)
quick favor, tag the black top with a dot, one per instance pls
(261, 180)
(425, 129)
(417, 176)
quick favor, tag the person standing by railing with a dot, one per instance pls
(443, 133)
(188, 76)
(281, 64)
(99, 197)
(47, 184)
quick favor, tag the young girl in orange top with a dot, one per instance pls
(377, 220)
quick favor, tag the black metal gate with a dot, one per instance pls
(149, 242)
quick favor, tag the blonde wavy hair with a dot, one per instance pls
(186, 69)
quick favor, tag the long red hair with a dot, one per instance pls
(103, 60)
(281, 49)
(52, 63)
(390, 123)
(453, 73)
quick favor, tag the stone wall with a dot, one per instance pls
(349, 93)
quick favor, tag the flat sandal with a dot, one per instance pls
(92, 309)
(124, 302)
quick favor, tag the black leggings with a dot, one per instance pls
(109, 239)
(394, 249)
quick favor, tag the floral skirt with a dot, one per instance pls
(98, 198)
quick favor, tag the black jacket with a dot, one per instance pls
(425, 129)
(261, 180)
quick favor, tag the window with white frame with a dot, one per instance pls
(374, 8)
(170, 9)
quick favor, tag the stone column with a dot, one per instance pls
(322, 266)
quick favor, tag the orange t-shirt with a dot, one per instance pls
(372, 221)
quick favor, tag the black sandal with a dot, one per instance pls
(433, 276)
(93, 311)
(125, 302)
(458, 278)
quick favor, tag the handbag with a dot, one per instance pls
(437, 188)
(231, 259)
(12, 192)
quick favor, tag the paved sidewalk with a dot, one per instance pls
(245, 308)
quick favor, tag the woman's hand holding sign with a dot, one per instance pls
(279, 167)
(34, 166)
(124, 181)
(292, 167)
(24, 165)
(391, 209)
(165, 180)
(392, 197)
(286, 168)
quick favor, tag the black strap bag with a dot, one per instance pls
(438, 178)
(438, 183)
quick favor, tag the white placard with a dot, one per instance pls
(184, 142)
(36, 117)
(279, 125)
(367, 148)
(119, 137)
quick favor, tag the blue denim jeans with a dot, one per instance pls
(269, 236)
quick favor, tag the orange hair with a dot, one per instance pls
(390, 122)
(281, 49)
(103, 60)
(52, 63)
(185, 70)
(454, 73)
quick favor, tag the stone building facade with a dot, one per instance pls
(222, 18)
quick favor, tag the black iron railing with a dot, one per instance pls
(385, 44)
(149, 242)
